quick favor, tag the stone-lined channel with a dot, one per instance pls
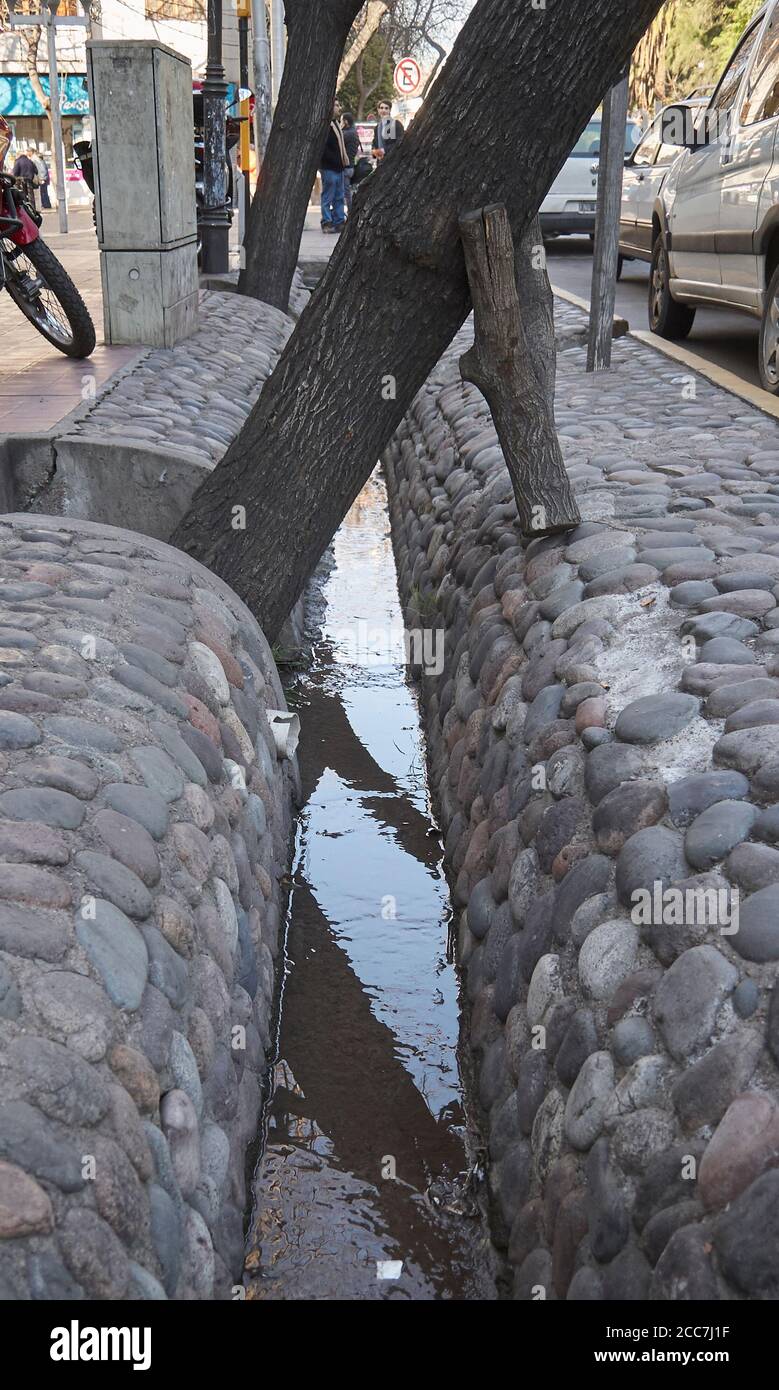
(368, 1137)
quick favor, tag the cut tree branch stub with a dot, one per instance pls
(499, 364)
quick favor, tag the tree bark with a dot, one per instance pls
(317, 31)
(395, 291)
(375, 11)
(536, 307)
(500, 365)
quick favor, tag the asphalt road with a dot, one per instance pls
(719, 335)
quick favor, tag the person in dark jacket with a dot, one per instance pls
(332, 163)
(389, 132)
(25, 171)
(352, 143)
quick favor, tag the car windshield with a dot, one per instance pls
(589, 140)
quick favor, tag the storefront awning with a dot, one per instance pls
(17, 97)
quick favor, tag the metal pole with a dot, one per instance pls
(56, 123)
(215, 222)
(262, 80)
(243, 80)
(277, 39)
(606, 250)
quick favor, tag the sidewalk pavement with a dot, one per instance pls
(316, 246)
(39, 385)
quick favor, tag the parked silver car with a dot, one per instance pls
(569, 206)
(645, 170)
(715, 220)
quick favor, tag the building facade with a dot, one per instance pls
(180, 24)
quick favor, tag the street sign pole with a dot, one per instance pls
(606, 249)
(277, 39)
(262, 81)
(56, 124)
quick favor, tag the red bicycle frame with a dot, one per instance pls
(15, 221)
(20, 227)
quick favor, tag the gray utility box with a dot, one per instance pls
(144, 163)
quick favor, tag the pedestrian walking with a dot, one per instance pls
(44, 178)
(25, 171)
(352, 143)
(332, 163)
(389, 132)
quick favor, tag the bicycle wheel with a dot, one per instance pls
(46, 295)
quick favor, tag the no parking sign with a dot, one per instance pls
(407, 77)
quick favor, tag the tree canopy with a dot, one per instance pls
(686, 48)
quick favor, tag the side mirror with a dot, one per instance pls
(629, 160)
(687, 128)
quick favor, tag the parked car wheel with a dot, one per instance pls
(769, 338)
(620, 266)
(667, 318)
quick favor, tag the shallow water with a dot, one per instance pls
(362, 1190)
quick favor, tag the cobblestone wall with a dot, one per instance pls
(607, 721)
(144, 826)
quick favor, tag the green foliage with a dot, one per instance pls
(702, 37)
(370, 80)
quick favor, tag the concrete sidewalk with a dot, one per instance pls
(39, 385)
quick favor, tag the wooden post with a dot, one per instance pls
(499, 363)
(606, 250)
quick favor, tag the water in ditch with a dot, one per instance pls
(368, 1184)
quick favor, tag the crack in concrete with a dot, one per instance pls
(36, 493)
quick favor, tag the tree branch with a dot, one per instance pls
(374, 13)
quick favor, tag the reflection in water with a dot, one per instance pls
(362, 1190)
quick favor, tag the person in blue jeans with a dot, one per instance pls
(332, 163)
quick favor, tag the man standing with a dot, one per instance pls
(389, 132)
(25, 171)
(352, 144)
(332, 163)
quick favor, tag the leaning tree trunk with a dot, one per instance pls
(317, 31)
(500, 364)
(396, 292)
